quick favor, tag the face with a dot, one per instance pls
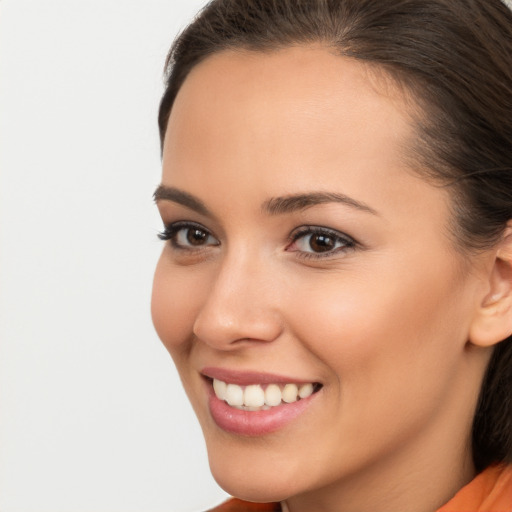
(306, 268)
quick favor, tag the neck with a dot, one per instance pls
(408, 489)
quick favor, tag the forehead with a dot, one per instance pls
(291, 121)
(295, 90)
(285, 96)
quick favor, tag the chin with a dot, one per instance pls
(250, 485)
(253, 476)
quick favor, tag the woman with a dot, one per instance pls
(336, 286)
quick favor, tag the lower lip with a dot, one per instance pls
(255, 423)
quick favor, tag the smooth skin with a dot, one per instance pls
(377, 304)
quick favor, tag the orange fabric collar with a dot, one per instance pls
(490, 491)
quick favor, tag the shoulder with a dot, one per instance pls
(235, 505)
(490, 491)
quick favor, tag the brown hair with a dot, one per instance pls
(455, 58)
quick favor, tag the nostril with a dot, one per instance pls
(227, 332)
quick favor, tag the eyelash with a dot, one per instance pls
(347, 242)
(171, 232)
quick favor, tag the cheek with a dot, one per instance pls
(389, 354)
(174, 302)
(380, 333)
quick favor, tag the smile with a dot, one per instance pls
(256, 404)
(258, 397)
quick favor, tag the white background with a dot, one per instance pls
(92, 415)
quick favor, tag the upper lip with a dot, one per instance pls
(246, 378)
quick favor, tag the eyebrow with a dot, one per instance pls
(164, 193)
(273, 206)
(297, 202)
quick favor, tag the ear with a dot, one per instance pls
(493, 321)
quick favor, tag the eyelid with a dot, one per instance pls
(349, 243)
(306, 229)
(171, 229)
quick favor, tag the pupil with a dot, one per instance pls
(196, 236)
(321, 243)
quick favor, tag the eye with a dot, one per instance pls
(315, 241)
(188, 235)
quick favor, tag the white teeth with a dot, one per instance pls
(290, 392)
(305, 390)
(234, 395)
(255, 398)
(272, 395)
(220, 389)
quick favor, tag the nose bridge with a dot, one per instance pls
(241, 302)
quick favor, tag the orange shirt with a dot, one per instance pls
(490, 491)
(234, 505)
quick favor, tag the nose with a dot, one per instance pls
(241, 305)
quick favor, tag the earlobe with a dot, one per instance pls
(493, 321)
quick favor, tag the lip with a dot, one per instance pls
(252, 423)
(247, 378)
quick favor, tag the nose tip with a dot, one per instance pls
(240, 306)
(224, 327)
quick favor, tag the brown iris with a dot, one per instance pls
(196, 236)
(322, 242)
